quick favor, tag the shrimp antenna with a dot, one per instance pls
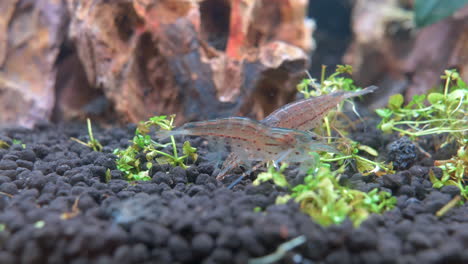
(314, 84)
(355, 111)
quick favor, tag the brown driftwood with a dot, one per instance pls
(388, 51)
(200, 60)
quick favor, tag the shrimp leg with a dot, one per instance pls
(281, 157)
(234, 183)
(231, 161)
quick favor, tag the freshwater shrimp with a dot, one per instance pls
(307, 114)
(250, 140)
(303, 115)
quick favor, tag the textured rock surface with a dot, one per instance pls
(388, 51)
(31, 33)
(197, 59)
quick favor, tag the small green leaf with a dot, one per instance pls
(283, 199)
(273, 174)
(4, 145)
(157, 119)
(457, 95)
(384, 113)
(344, 69)
(363, 166)
(189, 151)
(440, 107)
(462, 153)
(262, 177)
(141, 176)
(280, 180)
(450, 74)
(142, 129)
(387, 127)
(162, 121)
(432, 177)
(108, 175)
(396, 101)
(435, 98)
(418, 100)
(461, 84)
(149, 165)
(163, 160)
(369, 150)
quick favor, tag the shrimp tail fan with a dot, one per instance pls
(364, 91)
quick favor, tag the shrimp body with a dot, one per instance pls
(307, 114)
(303, 115)
(251, 140)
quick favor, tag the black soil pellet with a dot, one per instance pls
(402, 153)
(57, 205)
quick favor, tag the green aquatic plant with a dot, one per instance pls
(325, 200)
(438, 113)
(333, 83)
(276, 175)
(92, 142)
(19, 142)
(142, 144)
(349, 149)
(454, 172)
(5, 145)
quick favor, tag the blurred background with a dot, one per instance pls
(126, 60)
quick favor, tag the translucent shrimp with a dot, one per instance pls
(307, 114)
(250, 140)
(303, 115)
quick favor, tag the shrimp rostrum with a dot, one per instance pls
(252, 141)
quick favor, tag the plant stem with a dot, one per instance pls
(90, 130)
(163, 154)
(322, 75)
(423, 110)
(369, 161)
(174, 146)
(448, 206)
(427, 121)
(458, 106)
(327, 126)
(428, 131)
(337, 158)
(357, 157)
(447, 82)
